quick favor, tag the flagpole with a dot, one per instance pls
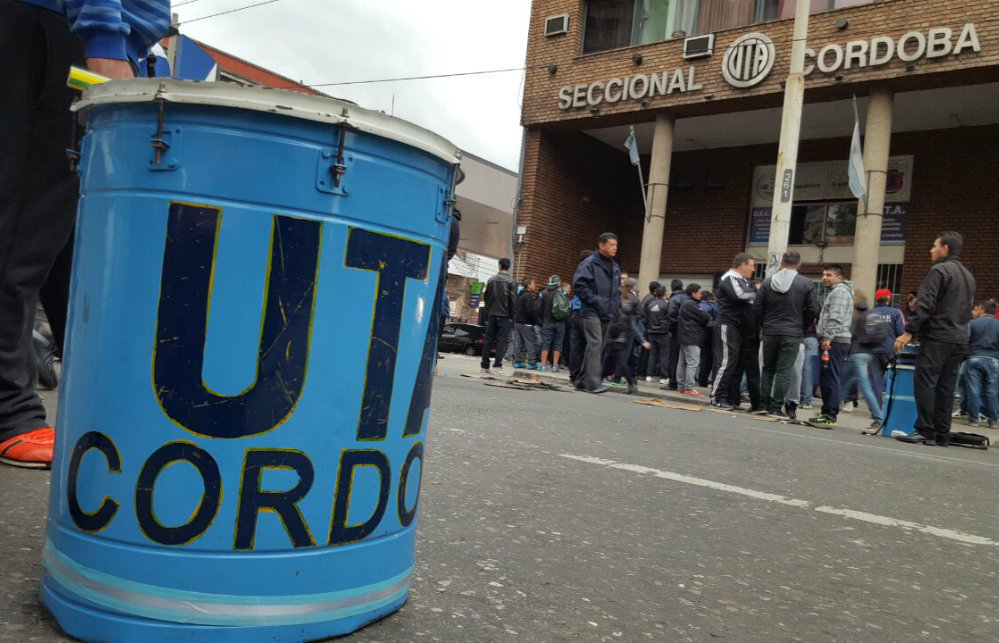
(645, 199)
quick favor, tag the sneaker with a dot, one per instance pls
(848, 407)
(31, 450)
(808, 407)
(723, 406)
(556, 368)
(632, 389)
(596, 391)
(619, 383)
(519, 365)
(691, 392)
(822, 421)
(993, 423)
(664, 381)
(791, 411)
(484, 371)
(760, 411)
(648, 378)
(875, 428)
(536, 367)
(778, 414)
(974, 423)
(498, 369)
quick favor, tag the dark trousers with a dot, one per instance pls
(659, 355)
(707, 358)
(831, 379)
(618, 360)
(935, 380)
(38, 192)
(728, 367)
(750, 357)
(674, 359)
(779, 355)
(577, 345)
(594, 331)
(498, 330)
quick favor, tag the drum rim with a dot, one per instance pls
(322, 109)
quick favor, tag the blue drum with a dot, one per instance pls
(252, 333)
(900, 400)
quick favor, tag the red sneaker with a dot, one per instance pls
(31, 450)
(691, 391)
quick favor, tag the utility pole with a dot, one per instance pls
(172, 45)
(790, 130)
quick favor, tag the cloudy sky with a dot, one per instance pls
(331, 41)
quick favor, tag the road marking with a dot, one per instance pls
(875, 519)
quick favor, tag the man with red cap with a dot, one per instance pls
(895, 325)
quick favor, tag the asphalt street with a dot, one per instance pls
(564, 516)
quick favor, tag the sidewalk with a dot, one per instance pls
(857, 420)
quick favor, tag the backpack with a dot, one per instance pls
(560, 306)
(875, 331)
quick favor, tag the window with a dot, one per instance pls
(608, 24)
(612, 24)
(889, 276)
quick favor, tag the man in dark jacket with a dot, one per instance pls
(894, 326)
(691, 323)
(709, 304)
(676, 300)
(735, 324)
(643, 318)
(982, 385)
(940, 323)
(499, 315)
(525, 338)
(577, 341)
(658, 335)
(597, 283)
(785, 306)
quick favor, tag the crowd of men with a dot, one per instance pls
(752, 340)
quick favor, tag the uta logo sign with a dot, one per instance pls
(748, 60)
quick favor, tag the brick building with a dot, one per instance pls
(710, 74)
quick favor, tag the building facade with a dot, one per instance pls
(702, 83)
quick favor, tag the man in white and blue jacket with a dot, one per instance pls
(39, 41)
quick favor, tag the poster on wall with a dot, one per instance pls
(833, 223)
(828, 181)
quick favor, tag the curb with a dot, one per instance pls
(664, 395)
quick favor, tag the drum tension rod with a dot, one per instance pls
(158, 143)
(339, 168)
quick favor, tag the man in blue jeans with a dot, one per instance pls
(982, 375)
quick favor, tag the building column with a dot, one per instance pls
(871, 207)
(650, 264)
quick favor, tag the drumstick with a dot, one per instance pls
(82, 79)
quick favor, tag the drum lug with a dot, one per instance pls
(444, 204)
(165, 144)
(166, 150)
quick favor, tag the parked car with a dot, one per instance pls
(462, 338)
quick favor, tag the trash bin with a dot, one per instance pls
(252, 331)
(900, 401)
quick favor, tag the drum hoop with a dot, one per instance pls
(322, 109)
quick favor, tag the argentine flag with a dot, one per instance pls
(857, 175)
